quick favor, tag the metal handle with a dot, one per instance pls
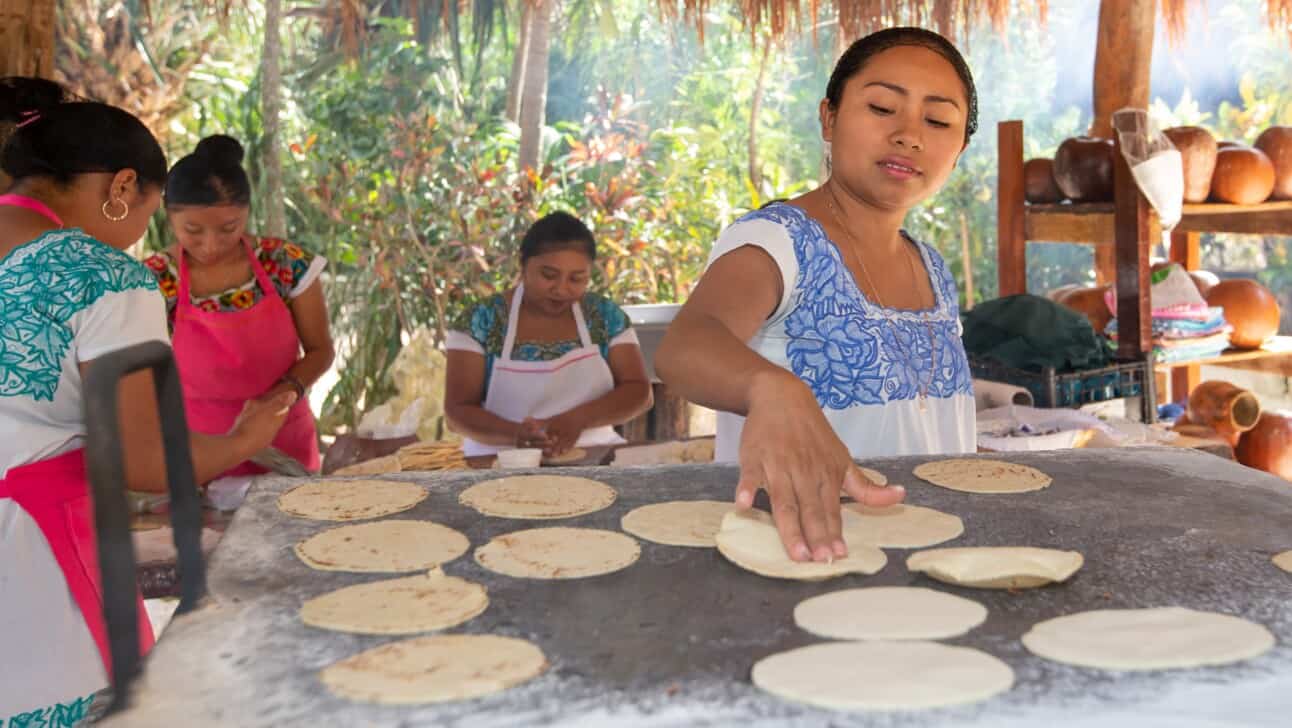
(105, 466)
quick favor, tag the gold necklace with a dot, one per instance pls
(928, 327)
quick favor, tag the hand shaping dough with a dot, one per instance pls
(883, 675)
(393, 546)
(1284, 561)
(409, 605)
(975, 475)
(678, 523)
(434, 669)
(558, 553)
(905, 526)
(997, 567)
(538, 496)
(1148, 639)
(889, 613)
(750, 540)
(350, 500)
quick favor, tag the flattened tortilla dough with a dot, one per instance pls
(883, 675)
(538, 497)
(350, 500)
(997, 567)
(407, 605)
(434, 669)
(889, 613)
(678, 523)
(977, 475)
(572, 455)
(1148, 639)
(558, 553)
(750, 540)
(905, 526)
(1284, 561)
(393, 546)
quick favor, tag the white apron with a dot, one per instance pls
(545, 389)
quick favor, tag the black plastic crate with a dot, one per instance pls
(1073, 389)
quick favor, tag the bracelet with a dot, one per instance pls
(296, 384)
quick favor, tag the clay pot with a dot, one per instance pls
(1223, 407)
(1198, 151)
(1088, 302)
(1083, 169)
(1038, 181)
(1250, 308)
(1268, 446)
(1062, 291)
(1243, 176)
(1230, 144)
(1276, 142)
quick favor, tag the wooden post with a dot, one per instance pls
(1186, 249)
(1123, 58)
(1131, 236)
(1011, 240)
(27, 37)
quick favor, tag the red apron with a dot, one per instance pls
(56, 494)
(226, 358)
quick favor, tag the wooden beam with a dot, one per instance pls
(1131, 223)
(1123, 58)
(1011, 240)
(1186, 249)
(27, 37)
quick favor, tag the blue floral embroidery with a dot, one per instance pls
(844, 347)
(42, 285)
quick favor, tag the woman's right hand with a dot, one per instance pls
(261, 419)
(789, 449)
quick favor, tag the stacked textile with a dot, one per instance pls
(1185, 328)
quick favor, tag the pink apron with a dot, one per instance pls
(226, 358)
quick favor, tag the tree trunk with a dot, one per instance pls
(533, 104)
(1123, 58)
(517, 79)
(27, 37)
(271, 82)
(756, 106)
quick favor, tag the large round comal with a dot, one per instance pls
(1198, 153)
(1250, 308)
(1083, 169)
(1276, 142)
(1243, 176)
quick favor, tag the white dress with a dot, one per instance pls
(867, 365)
(65, 299)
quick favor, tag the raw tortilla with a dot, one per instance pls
(750, 540)
(350, 500)
(570, 456)
(1148, 639)
(538, 496)
(435, 669)
(973, 475)
(383, 546)
(883, 675)
(997, 567)
(558, 553)
(905, 526)
(409, 605)
(889, 613)
(1284, 561)
(678, 523)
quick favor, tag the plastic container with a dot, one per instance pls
(525, 457)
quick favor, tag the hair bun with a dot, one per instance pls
(20, 95)
(220, 150)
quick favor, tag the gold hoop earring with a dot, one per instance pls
(125, 210)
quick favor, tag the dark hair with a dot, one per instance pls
(557, 231)
(863, 49)
(211, 175)
(59, 136)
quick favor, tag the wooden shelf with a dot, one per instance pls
(1275, 357)
(1092, 223)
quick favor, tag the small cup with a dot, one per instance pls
(527, 457)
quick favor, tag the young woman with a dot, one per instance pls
(547, 364)
(247, 314)
(86, 179)
(823, 332)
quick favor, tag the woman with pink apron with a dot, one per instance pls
(69, 295)
(247, 314)
(555, 366)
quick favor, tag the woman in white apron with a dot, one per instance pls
(547, 364)
(821, 331)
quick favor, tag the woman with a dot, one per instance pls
(86, 179)
(247, 314)
(547, 364)
(820, 330)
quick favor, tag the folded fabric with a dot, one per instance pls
(1181, 328)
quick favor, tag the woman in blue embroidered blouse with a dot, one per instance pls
(821, 331)
(547, 364)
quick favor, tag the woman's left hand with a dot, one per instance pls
(563, 431)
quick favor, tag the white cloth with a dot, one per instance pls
(462, 341)
(866, 365)
(65, 299)
(543, 389)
